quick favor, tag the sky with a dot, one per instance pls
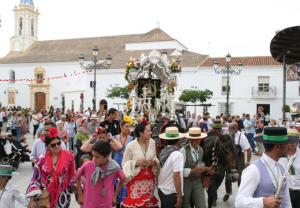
(213, 27)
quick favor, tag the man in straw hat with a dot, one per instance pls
(93, 124)
(262, 179)
(9, 192)
(170, 179)
(193, 167)
(293, 176)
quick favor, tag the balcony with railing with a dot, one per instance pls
(263, 92)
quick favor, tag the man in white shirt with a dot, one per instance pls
(243, 145)
(192, 122)
(170, 179)
(9, 192)
(293, 175)
(262, 179)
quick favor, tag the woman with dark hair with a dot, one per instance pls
(124, 138)
(101, 134)
(141, 167)
(54, 174)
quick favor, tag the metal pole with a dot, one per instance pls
(227, 90)
(284, 86)
(95, 67)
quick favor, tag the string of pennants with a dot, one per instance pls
(47, 78)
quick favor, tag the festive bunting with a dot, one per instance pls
(48, 78)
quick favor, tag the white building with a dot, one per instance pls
(46, 63)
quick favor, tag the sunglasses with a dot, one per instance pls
(54, 144)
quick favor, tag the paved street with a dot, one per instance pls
(26, 171)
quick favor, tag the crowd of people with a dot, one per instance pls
(95, 156)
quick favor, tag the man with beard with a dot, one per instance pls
(243, 145)
(261, 180)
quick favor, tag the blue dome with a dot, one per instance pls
(30, 2)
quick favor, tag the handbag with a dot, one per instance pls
(44, 199)
(7, 148)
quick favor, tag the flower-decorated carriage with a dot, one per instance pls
(152, 82)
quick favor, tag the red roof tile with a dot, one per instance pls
(246, 61)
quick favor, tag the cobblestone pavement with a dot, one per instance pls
(26, 171)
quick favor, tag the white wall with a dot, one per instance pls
(203, 78)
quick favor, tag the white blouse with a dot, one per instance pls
(10, 194)
(133, 153)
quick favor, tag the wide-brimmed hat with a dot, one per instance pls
(293, 133)
(217, 124)
(195, 133)
(7, 170)
(276, 135)
(94, 117)
(171, 133)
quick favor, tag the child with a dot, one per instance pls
(100, 174)
(83, 159)
(24, 144)
(9, 192)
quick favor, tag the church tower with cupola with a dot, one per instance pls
(26, 26)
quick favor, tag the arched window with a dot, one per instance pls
(12, 76)
(32, 27)
(20, 25)
(103, 105)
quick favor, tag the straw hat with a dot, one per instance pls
(94, 117)
(293, 133)
(195, 133)
(277, 135)
(171, 133)
(7, 170)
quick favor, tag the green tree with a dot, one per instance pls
(118, 92)
(194, 94)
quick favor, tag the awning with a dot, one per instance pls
(286, 42)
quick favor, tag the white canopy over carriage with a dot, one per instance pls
(152, 82)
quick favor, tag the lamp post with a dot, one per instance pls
(227, 70)
(95, 66)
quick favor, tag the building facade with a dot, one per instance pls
(52, 72)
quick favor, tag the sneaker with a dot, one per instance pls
(254, 152)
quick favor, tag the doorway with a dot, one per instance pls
(265, 106)
(40, 101)
(103, 105)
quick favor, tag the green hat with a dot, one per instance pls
(217, 124)
(7, 170)
(276, 135)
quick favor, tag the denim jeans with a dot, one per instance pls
(19, 132)
(250, 139)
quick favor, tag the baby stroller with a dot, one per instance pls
(20, 154)
(16, 155)
(5, 151)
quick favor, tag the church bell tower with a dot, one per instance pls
(26, 26)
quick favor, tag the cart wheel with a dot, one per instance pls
(5, 160)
